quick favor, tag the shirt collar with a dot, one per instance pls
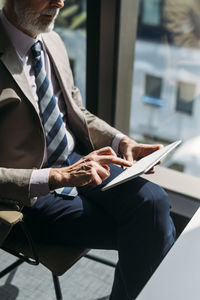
(21, 41)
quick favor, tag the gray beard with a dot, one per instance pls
(29, 20)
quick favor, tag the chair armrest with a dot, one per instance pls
(10, 217)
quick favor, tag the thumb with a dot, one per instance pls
(129, 156)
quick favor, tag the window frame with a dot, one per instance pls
(111, 35)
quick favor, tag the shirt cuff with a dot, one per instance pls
(39, 183)
(116, 141)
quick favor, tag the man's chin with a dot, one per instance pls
(44, 28)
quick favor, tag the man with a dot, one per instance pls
(45, 133)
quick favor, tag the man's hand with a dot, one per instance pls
(91, 169)
(132, 150)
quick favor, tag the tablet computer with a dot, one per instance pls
(142, 166)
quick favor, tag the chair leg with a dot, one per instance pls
(11, 267)
(57, 287)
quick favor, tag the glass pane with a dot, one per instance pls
(166, 87)
(153, 86)
(151, 12)
(185, 97)
(71, 26)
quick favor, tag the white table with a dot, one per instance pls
(178, 276)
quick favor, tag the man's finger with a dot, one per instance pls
(110, 159)
(103, 172)
(96, 178)
(148, 149)
(106, 150)
(106, 167)
(151, 171)
(129, 156)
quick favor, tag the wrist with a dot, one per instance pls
(56, 178)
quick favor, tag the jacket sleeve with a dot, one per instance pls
(14, 186)
(101, 133)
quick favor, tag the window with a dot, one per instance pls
(167, 50)
(150, 20)
(185, 97)
(71, 26)
(151, 12)
(153, 86)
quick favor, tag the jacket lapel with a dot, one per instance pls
(58, 60)
(10, 59)
(76, 119)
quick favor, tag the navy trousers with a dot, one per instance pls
(132, 218)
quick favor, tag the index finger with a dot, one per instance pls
(110, 159)
(106, 151)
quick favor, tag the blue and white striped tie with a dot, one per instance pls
(56, 138)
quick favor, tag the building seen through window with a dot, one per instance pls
(167, 69)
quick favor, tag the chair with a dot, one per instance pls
(16, 240)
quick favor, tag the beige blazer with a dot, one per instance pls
(22, 139)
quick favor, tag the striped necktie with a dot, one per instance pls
(56, 138)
